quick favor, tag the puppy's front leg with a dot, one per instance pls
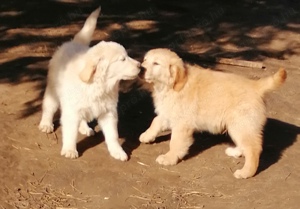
(109, 127)
(181, 140)
(50, 106)
(157, 126)
(70, 124)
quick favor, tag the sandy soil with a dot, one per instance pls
(34, 175)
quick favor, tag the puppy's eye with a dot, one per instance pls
(122, 59)
(155, 63)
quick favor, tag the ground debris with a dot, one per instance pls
(37, 195)
(170, 197)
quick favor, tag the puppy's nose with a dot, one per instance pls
(138, 64)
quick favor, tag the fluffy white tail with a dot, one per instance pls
(270, 83)
(84, 36)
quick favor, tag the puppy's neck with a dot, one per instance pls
(107, 86)
(160, 88)
(112, 85)
(157, 86)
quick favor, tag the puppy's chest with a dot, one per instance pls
(164, 104)
(95, 107)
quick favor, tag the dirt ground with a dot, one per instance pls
(34, 175)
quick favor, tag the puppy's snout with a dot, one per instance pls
(138, 64)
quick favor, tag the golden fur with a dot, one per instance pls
(188, 98)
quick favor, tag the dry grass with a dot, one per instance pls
(36, 194)
(180, 198)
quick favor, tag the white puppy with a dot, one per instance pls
(84, 82)
(188, 98)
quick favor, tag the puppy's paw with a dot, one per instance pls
(119, 154)
(240, 174)
(167, 159)
(69, 153)
(233, 152)
(146, 138)
(46, 127)
(86, 131)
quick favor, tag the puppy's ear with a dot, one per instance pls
(88, 71)
(179, 74)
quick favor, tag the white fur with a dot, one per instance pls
(80, 99)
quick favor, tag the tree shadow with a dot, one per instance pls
(197, 30)
(20, 71)
(219, 29)
(16, 71)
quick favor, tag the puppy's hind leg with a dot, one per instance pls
(50, 106)
(235, 152)
(70, 124)
(250, 144)
(181, 140)
(109, 127)
(84, 129)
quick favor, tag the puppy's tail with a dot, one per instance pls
(270, 83)
(84, 36)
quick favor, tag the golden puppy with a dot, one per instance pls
(188, 98)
